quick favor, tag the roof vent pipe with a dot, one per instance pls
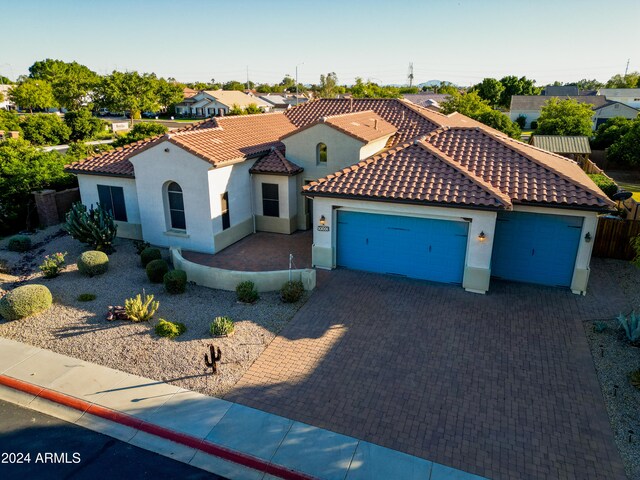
(375, 124)
(351, 104)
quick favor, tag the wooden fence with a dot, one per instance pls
(613, 238)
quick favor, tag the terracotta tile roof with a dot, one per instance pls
(365, 126)
(410, 173)
(525, 173)
(276, 163)
(227, 139)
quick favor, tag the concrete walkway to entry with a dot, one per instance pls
(202, 431)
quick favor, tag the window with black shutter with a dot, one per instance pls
(176, 207)
(226, 221)
(270, 200)
(112, 199)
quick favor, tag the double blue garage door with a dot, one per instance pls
(527, 247)
(414, 247)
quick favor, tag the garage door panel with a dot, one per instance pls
(416, 247)
(536, 248)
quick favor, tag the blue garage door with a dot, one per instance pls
(415, 247)
(535, 248)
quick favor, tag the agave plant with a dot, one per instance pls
(631, 326)
(95, 227)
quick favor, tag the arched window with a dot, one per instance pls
(176, 206)
(321, 153)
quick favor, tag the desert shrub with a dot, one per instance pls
(95, 227)
(140, 246)
(149, 254)
(164, 328)
(156, 270)
(93, 263)
(19, 243)
(221, 326)
(292, 291)
(606, 184)
(631, 326)
(141, 308)
(534, 125)
(247, 292)
(52, 264)
(175, 281)
(86, 297)
(25, 301)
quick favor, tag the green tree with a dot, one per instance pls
(129, 92)
(5, 81)
(234, 85)
(369, 89)
(327, 87)
(252, 109)
(516, 86)
(33, 94)
(83, 125)
(264, 88)
(490, 90)
(23, 169)
(565, 117)
(141, 131)
(79, 150)
(45, 129)
(236, 110)
(586, 84)
(72, 83)
(626, 150)
(631, 80)
(610, 132)
(169, 93)
(409, 90)
(471, 105)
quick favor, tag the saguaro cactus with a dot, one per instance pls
(216, 355)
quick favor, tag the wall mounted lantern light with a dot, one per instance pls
(166, 150)
(482, 237)
(323, 220)
(587, 237)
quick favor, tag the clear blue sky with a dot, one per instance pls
(459, 41)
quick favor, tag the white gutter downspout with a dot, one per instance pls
(253, 206)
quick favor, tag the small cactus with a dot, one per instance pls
(216, 355)
(95, 227)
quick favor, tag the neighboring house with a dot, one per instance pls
(215, 103)
(530, 106)
(561, 91)
(282, 102)
(385, 185)
(431, 101)
(6, 104)
(576, 148)
(628, 96)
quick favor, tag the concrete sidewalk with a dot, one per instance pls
(200, 423)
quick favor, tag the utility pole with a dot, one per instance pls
(627, 67)
(410, 76)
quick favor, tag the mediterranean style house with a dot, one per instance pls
(386, 185)
(217, 103)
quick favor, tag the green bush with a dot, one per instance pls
(86, 297)
(44, 129)
(606, 184)
(164, 328)
(93, 263)
(156, 270)
(521, 121)
(25, 301)
(83, 125)
(534, 125)
(140, 245)
(221, 326)
(149, 254)
(175, 281)
(141, 309)
(19, 243)
(247, 292)
(292, 291)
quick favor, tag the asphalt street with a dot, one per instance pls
(62, 450)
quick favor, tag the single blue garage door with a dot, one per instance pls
(534, 248)
(415, 247)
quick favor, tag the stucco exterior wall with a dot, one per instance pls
(478, 256)
(154, 169)
(88, 185)
(615, 110)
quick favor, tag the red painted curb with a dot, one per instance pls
(176, 437)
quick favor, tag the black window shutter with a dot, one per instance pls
(119, 209)
(104, 197)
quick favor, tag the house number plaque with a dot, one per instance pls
(323, 228)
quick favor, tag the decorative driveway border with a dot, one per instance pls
(501, 385)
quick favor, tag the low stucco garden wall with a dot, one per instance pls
(222, 279)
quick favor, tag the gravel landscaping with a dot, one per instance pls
(79, 329)
(614, 359)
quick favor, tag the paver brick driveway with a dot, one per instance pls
(500, 385)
